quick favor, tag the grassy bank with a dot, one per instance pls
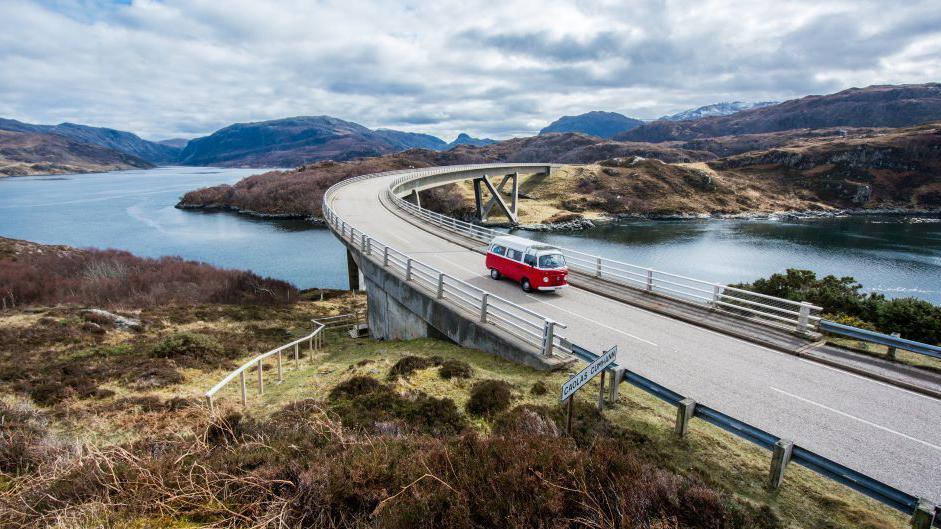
(135, 453)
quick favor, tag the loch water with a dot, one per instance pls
(134, 211)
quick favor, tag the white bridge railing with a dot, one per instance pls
(760, 308)
(314, 343)
(533, 328)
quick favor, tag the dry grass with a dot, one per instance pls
(151, 458)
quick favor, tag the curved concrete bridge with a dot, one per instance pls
(424, 280)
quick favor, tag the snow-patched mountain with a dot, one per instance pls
(717, 109)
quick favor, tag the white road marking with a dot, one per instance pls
(847, 415)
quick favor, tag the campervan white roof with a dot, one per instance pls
(521, 243)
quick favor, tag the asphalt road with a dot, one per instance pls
(888, 433)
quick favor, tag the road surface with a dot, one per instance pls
(889, 433)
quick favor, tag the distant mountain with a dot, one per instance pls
(717, 109)
(29, 153)
(595, 123)
(464, 139)
(176, 143)
(411, 140)
(873, 106)
(291, 142)
(125, 142)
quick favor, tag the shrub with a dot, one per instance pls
(111, 278)
(842, 297)
(26, 442)
(189, 347)
(453, 368)
(488, 397)
(539, 388)
(527, 420)
(434, 416)
(846, 319)
(364, 403)
(357, 386)
(914, 319)
(409, 364)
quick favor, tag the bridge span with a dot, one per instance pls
(881, 430)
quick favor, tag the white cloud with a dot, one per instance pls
(185, 68)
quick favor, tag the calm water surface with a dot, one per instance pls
(899, 257)
(133, 210)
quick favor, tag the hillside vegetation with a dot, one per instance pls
(49, 275)
(102, 424)
(31, 153)
(803, 170)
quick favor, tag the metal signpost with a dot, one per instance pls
(582, 378)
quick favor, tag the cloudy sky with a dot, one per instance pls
(186, 68)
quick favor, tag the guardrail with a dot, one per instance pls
(314, 341)
(767, 310)
(889, 340)
(533, 328)
(343, 320)
(783, 450)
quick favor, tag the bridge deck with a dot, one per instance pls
(886, 432)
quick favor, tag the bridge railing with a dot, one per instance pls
(882, 492)
(760, 308)
(533, 328)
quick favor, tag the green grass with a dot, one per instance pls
(881, 351)
(805, 500)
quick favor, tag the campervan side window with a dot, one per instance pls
(516, 255)
(498, 250)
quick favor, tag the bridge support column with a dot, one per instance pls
(390, 320)
(415, 199)
(496, 198)
(352, 272)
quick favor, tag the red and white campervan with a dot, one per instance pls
(534, 265)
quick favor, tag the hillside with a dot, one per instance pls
(121, 141)
(291, 142)
(104, 423)
(465, 139)
(299, 192)
(595, 123)
(411, 140)
(885, 168)
(30, 153)
(873, 106)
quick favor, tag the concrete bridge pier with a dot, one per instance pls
(353, 274)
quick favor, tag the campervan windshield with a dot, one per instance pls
(552, 260)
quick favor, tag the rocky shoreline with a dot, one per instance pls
(932, 215)
(251, 213)
(579, 224)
